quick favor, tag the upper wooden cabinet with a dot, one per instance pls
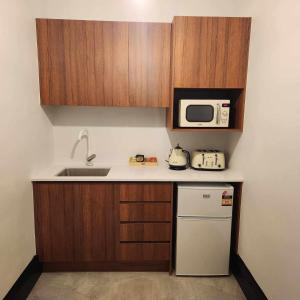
(210, 52)
(103, 63)
(129, 63)
(83, 62)
(149, 64)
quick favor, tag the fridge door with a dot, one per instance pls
(199, 201)
(203, 246)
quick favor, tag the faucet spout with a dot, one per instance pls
(89, 157)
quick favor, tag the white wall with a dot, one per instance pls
(26, 137)
(136, 10)
(117, 133)
(268, 151)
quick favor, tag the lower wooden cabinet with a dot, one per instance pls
(93, 226)
(55, 221)
(75, 221)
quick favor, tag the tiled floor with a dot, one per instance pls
(133, 286)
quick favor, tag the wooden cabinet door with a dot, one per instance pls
(75, 222)
(94, 222)
(104, 63)
(149, 64)
(115, 72)
(83, 62)
(54, 221)
(210, 52)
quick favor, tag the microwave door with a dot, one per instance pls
(200, 115)
(204, 113)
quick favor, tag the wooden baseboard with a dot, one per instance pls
(245, 279)
(25, 283)
(160, 266)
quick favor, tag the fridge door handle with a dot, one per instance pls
(203, 218)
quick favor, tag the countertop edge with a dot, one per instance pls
(229, 179)
(124, 173)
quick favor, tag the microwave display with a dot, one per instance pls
(199, 113)
(204, 113)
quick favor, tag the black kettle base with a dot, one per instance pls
(177, 168)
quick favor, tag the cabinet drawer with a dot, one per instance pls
(139, 192)
(147, 212)
(144, 251)
(160, 232)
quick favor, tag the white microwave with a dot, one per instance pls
(204, 113)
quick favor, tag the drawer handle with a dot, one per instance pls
(143, 202)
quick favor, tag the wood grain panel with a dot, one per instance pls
(102, 266)
(56, 65)
(115, 77)
(75, 221)
(83, 62)
(160, 232)
(144, 252)
(210, 52)
(149, 64)
(44, 72)
(137, 192)
(94, 222)
(76, 63)
(148, 212)
(54, 217)
(104, 63)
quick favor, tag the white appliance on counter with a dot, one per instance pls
(204, 112)
(204, 213)
(208, 160)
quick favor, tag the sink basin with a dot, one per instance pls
(83, 172)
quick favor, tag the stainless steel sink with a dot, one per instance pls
(84, 172)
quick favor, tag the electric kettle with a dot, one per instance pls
(178, 158)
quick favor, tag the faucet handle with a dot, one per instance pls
(91, 157)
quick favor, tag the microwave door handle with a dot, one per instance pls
(218, 113)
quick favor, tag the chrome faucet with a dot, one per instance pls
(89, 157)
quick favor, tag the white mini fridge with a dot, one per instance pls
(204, 213)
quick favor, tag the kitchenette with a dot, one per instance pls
(160, 212)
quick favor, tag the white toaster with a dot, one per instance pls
(208, 160)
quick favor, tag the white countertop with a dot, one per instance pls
(140, 173)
